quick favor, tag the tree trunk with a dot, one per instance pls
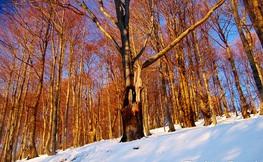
(237, 83)
(64, 130)
(248, 48)
(168, 115)
(202, 64)
(8, 144)
(17, 115)
(254, 19)
(24, 138)
(57, 94)
(132, 120)
(146, 113)
(161, 107)
(32, 148)
(3, 111)
(20, 117)
(200, 97)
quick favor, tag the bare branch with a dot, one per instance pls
(147, 36)
(177, 40)
(106, 14)
(96, 21)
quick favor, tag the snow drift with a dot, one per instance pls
(233, 139)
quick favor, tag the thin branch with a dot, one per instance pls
(106, 14)
(177, 40)
(96, 21)
(147, 36)
(213, 39)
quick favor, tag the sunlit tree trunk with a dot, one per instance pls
(64, 130)
(168, 115)
(220, 87)
(50, 96)
(161, 107)
(20, 116)
(57, 91)
(32, 148)
(200, 96)
(12, 118)
(145, 112)
(255, 17)
(217, 79)
(92, 120)
(176, 104)
(24, 139)
(109, 110)
(257, 62)
(3, 111)
(203, 71)
(248, 47)
(45, 111)
(18, 113)
(78, 123)
(233, 67)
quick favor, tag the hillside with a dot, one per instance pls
(233, 139)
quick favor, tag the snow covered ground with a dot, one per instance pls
(233, 139)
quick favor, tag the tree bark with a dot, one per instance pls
(109, 111)
(146, 112)
(200, 97)
(253, 17)
(32, 148)
(168, 115)
(64, 130)
(8, 143)
(20, 116)
(248, 48)
(3, 111)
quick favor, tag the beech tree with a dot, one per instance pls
(133, 85)
(245, 42)
(76, 72)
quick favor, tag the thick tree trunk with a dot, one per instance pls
(132, 119)
(248, 47)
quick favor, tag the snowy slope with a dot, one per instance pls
(233, 139)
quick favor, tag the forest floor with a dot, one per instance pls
(232, 140)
